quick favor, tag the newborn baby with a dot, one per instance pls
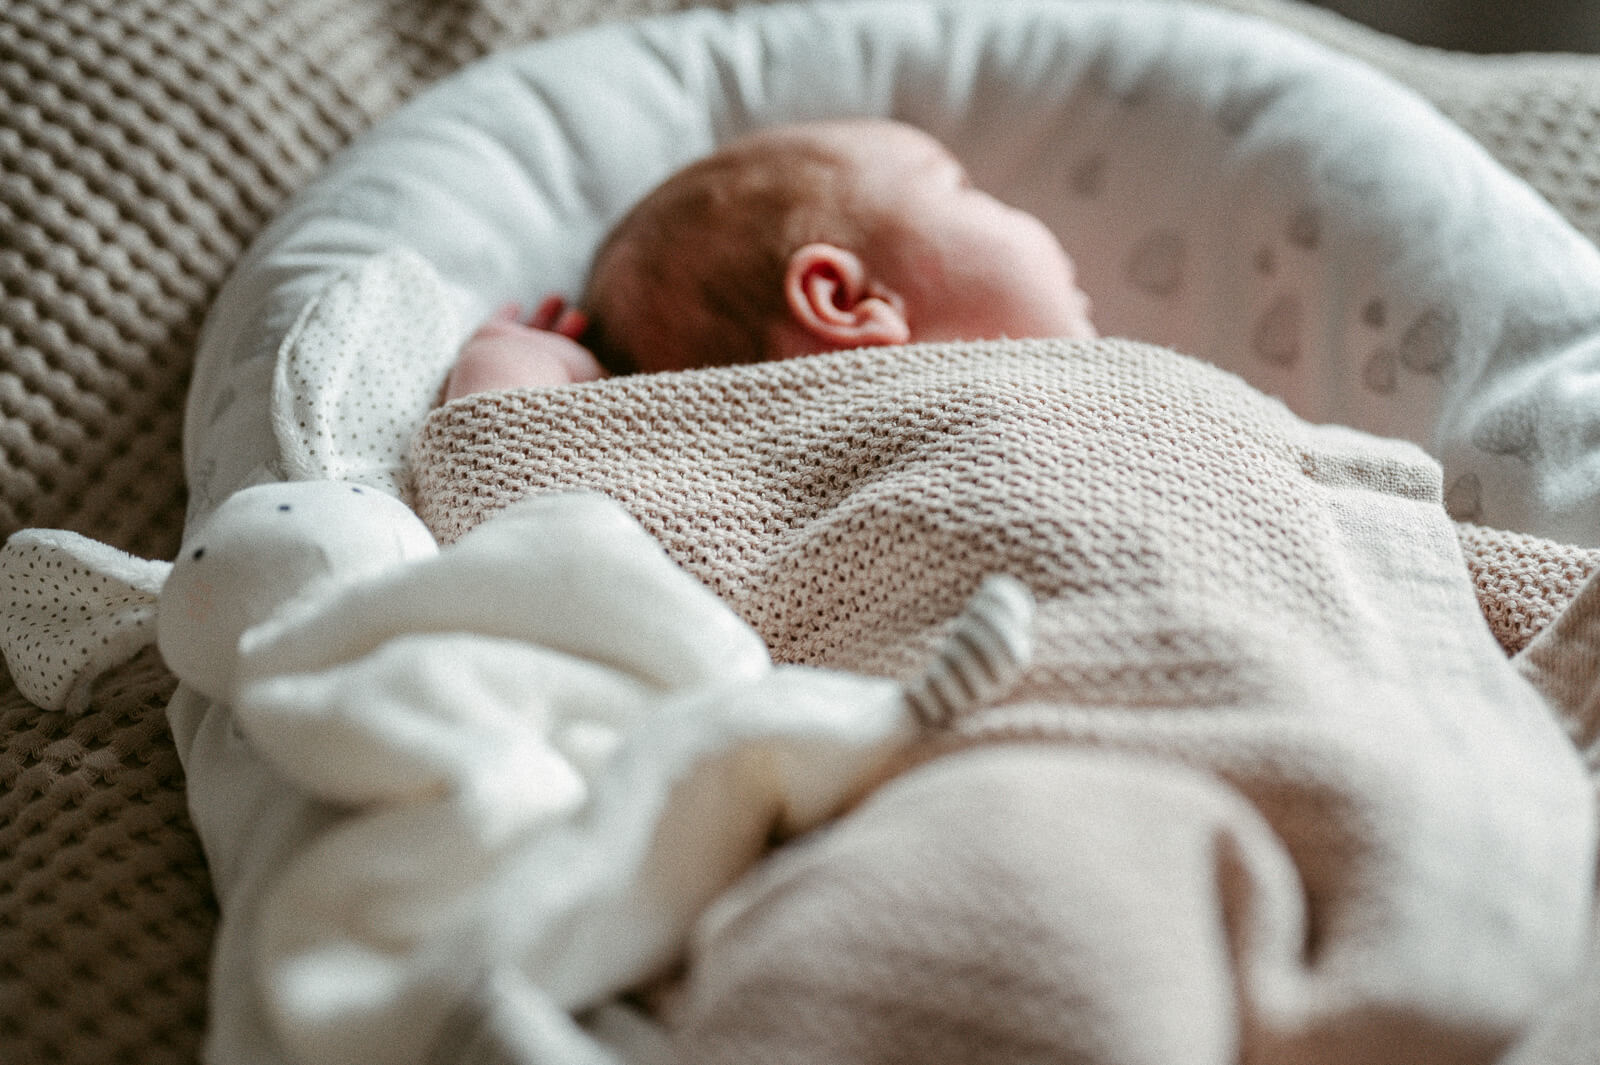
(793, 240)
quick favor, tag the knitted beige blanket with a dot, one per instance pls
(1221, 587)
(489, 450)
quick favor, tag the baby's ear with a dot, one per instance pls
(833, 299)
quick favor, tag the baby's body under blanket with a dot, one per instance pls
(1221, 586)
(495, 448)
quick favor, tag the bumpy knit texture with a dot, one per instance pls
(1523, 581)
(844, 503)
(1216, 582)
(490, 450)
(142, 146)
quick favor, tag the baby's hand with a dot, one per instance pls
(506, 353)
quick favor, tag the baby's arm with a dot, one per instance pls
(506, 353)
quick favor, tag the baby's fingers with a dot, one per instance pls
(571, 324)
(549, 312)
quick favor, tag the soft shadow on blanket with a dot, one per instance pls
(1296, 804)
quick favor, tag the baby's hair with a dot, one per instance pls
(694, 272)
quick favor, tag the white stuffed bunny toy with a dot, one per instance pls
(78, 608)
(548, 747)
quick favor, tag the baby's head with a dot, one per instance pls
(821, 236)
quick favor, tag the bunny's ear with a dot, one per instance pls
(74, 609)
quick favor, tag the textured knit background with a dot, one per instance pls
(143, 143)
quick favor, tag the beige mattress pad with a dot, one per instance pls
(143, 146)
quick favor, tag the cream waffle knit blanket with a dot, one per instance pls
(1329, 821)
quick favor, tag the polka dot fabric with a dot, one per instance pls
(74, 609)
(345, 398)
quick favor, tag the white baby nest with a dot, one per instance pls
(1226, 188)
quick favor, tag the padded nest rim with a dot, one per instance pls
(1345, 247)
